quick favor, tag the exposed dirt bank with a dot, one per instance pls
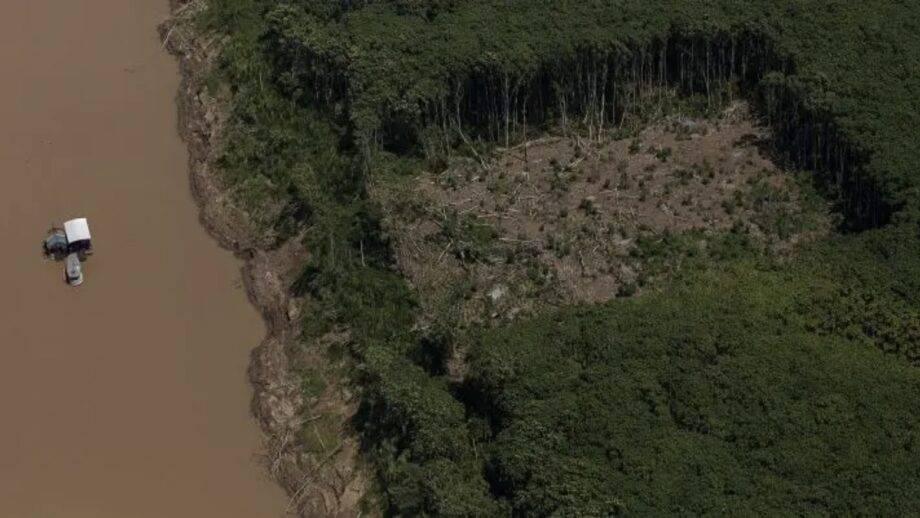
(327, 484)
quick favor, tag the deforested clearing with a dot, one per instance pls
(563, 219)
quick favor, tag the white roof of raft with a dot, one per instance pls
(77, 230)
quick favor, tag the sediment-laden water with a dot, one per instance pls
(126, 396)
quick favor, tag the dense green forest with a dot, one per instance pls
(746, 385)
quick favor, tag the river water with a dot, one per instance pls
(127, 396)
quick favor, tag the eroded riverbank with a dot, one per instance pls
(127, 396)
(329, 484)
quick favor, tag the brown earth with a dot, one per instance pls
(559, 220)
(310, 451)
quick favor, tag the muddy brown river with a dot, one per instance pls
(127, 396)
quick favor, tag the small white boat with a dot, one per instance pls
(73, 272)
(71, 244)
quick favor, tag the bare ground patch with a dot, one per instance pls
(562, 220)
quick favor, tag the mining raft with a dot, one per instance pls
(71, 244)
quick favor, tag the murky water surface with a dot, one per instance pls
(127, 396)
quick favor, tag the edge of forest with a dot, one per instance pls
(276, 403)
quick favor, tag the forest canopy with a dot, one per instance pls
(696, 402)
(773, 387)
